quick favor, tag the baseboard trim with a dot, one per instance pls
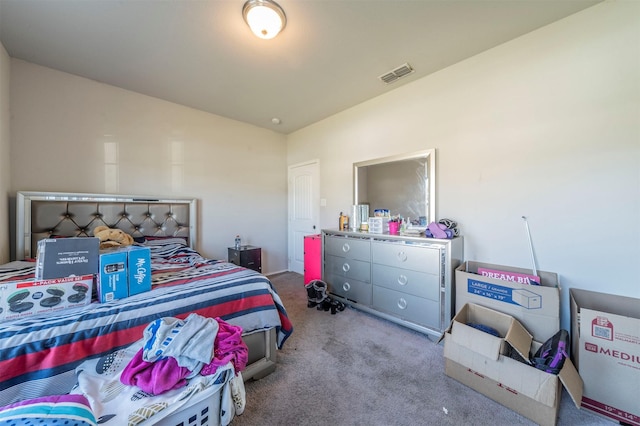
(276, 272)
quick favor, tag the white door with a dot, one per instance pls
(304, 205)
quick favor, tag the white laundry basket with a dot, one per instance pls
(201, 410)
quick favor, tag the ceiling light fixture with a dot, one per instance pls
(265, 17)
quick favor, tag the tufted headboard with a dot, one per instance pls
(46, 214)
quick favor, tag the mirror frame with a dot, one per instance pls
(430, 189)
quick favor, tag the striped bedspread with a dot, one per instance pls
(38, 354)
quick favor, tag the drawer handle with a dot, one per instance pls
(402, 303)
(345, 247)
(403, 280)
(346, 267)
(402, 256)
(346, 286)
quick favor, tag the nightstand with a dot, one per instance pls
(247, 256)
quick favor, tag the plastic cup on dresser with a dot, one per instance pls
(394, 227)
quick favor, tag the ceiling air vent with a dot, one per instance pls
(393, 75)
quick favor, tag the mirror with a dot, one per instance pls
(403, 184)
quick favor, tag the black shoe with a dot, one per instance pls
(311, 293)
(325, 305)
(336, 306)
(321, 290)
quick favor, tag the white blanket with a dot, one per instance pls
(114, 403)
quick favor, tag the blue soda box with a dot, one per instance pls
(112, 276)
(138, 269)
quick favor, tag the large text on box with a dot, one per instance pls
(520, 297)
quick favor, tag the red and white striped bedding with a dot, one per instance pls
(38, 354)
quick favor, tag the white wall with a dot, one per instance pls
(5, 151)
(546, 126)
(63, 128)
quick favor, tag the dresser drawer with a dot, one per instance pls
(407, 256)
(354, 290)
(350, 268)
(407, 307)
(352, 248)
(419, 284)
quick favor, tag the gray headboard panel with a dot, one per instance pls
(46, 214)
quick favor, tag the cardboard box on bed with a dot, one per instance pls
(64, 257)
(138, 269)
(605, 331)
(537, 307)
(20, 299)
(481, 361)
(112, 277)
(124, 271)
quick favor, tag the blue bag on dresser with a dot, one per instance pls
(551, 355)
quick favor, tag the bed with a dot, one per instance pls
(38, 354)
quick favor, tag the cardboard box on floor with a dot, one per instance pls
(605, 331)
(482, 362)
(537, 307)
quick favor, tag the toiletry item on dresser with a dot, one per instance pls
(343, 223)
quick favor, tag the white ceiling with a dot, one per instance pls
(201, 54)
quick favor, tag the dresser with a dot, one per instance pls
(404, 279)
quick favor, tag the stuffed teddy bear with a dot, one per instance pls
(111, 237)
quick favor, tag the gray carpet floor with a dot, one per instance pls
(356, 369)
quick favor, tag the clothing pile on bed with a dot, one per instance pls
(156, 376)
(175, 350)
(151, 379)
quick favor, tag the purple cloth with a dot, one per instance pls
(154, 377)
(437, 231)
(228, 346)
